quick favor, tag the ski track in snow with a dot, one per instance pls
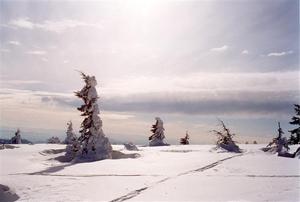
(92, 175)
(136, 192)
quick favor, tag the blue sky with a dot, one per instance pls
(188, 62)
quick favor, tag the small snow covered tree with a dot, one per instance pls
(73, 145)
(53, 140)
(93, 143)
(17, 138)
(295, 133)
(71, 137)
(225, 139)
(156, 139)
(185, 140)
(278, 144)
(254, 142)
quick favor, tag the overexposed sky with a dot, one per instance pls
(185, 61)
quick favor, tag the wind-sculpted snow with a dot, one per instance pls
(175, 173)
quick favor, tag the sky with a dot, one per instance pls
(188, 62)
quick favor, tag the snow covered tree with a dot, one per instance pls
(225, 139)
(71, 137)
(17, 138)
(254, 142)
(295, 133)
(93, 143)
(156, 139)
(53, 140)
(185, 140)
(278, 144)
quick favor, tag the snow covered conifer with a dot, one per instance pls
(17, 138)
(93, 143)
(185, 140)
(295, 133)
(225, 139)
(71, 137)
(156, 139)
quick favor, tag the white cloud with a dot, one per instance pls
(36, 52)
(245, 52)
(22, 23)
(220, 49)
(278, 54)
(116, 116)
(51, 26)
(4, 50)
(16, 43)
(19, 82)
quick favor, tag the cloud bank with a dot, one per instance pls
(49, 25)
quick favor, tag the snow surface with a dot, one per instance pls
(168, 173)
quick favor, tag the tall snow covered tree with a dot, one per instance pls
(225, 139)
(71, 137)
(295, 133)
(156, 139)
(93, 143)
(185, 140)
(17, 138)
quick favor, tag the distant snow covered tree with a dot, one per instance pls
(17, 138)
(53, 140)
(71, 137)
(93, 145)
(225, 139)
(156, 139)
(295, 133)
(185, 140)
(254, 142)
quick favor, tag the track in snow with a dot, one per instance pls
(137, 192)
(92, 175)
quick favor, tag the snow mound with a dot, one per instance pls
(120, 155)
(53, 151)
(130, 146)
